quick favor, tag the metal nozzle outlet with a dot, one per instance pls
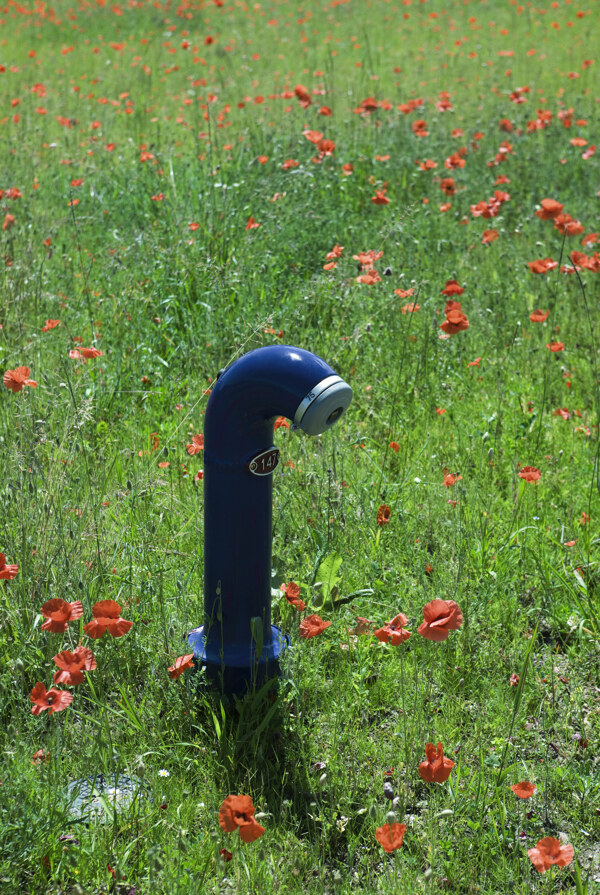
(323, 405)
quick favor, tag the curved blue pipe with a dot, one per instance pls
(237, 640)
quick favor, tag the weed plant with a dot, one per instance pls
(176, 182)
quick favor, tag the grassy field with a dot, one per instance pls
(180, 184)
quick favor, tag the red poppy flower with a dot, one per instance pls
(452, 288)
(72, 666)
(52, 700)
(302, 95)
(485, 210)
(251, 224)
(409, 308)
(336, 252)
(549, 851)
(452, 305)
(292, 595)
(281, 423)
(436, 769)
(50, 324)
(181, 664)
(107, 615)
(542, 266)
(383, 514)
(440, 617)
(368, 259)
(523, 790)
(226, 855)
(84, 354)
(312, 136)
(455, 322)
(539, 316)
(489, 236)
(394, 631)
(529, 473)
(550, 209)
(586, 262)
(369, 278)
(58, 613)
(196, 446)
(555, 346)
(237, 813)
(448, 186)
(312, 625)
(16, 379)
(325, 147)
(589, 239)
(42, 756)
(390, 836)
(380, 197)
(565, 224)
(7, 572)
(451, 478)
(419, 128)
(404, 293)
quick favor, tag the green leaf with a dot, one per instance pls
(327, 580)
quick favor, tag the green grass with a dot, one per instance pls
(89, 514)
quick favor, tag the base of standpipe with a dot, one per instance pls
(236, 671)
(99, 797)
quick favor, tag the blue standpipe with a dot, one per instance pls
(237, 643)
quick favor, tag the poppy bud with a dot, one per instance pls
(390, 818)
(387, 272)
(165, 451)
(485, 437)
(323, 779)
(491, 454)
(388, 790)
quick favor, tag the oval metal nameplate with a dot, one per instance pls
(263, 463)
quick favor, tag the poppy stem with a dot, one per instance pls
(516, 706)
(406, 754)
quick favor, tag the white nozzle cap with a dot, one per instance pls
(323, 405)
